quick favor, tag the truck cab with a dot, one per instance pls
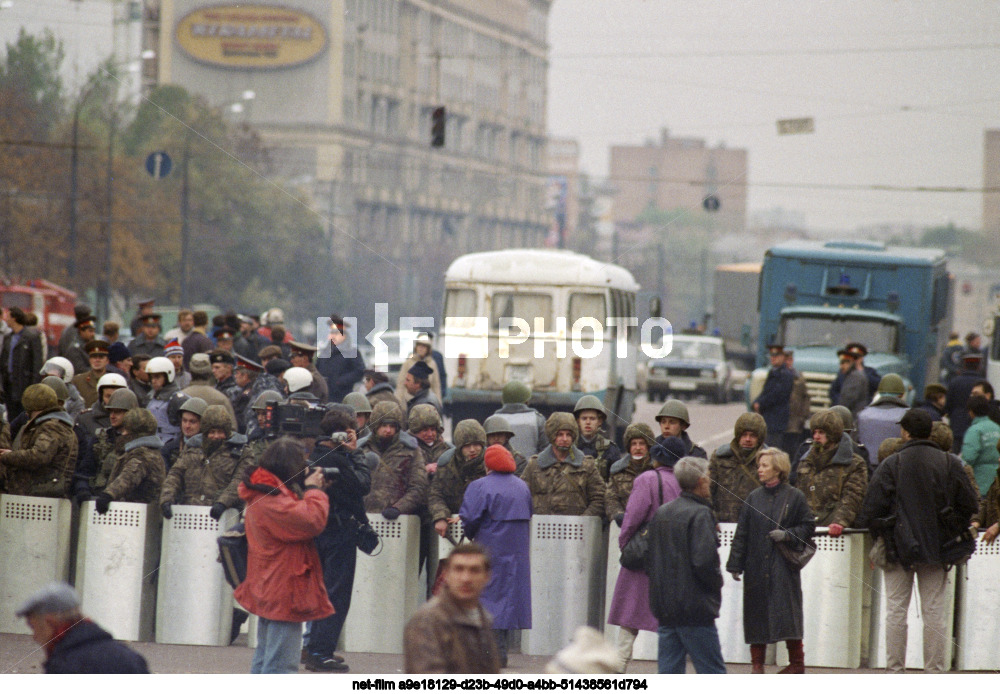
(815, 297)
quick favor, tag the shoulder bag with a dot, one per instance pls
(635, 551)
(796, 558)
(233, 551)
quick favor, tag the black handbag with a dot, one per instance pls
(796, 558)
(233, 551)
(366, 538)
(636, 550)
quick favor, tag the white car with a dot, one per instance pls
(696, 365)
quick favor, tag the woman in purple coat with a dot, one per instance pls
(496, 512)
(630, 603)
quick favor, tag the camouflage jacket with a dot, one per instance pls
(432, 454)
(400, 479)
(623, 474)
(43, 457)
(201, 481)
(105, 457)
(256, 443)
(570, 488)
(138, 473)
(989, 507)
(733, 478)
(603, 450)
(834, 482)
(448, 486)
(520, 462)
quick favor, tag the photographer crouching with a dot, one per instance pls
(348, 472)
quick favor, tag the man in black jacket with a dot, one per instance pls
(73, 644)
(932, 501)
(340, 371)
(20, 361)
(685, 574)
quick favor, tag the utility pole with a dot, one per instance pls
(109, 202)
(185, 230)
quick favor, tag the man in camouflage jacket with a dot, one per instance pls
(139, 470)
(209, 470)
(733, 467)
(45, 449)
(638, 440)
(425, 425)
(456, 470)
(499, 433)
(590, 417)
(399, 482)
(832, 476)
(563, 481)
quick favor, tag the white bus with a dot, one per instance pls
(548, 318)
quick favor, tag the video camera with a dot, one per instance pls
(298, 418)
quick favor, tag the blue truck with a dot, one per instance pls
(817, 296)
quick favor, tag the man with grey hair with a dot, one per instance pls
(73, 644)
(685, 574)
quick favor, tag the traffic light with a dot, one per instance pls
(438, 118)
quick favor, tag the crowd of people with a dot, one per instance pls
(195, 419)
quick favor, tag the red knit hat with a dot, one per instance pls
(499, 459)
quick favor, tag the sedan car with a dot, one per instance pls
(696, 365)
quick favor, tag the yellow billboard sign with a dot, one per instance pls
(256, 37)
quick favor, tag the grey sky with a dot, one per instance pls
(901, 93)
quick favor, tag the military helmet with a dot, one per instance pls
(38, 397)
(752, 422)
(297, 379)
(260, 404)
(497, 424)
(60, 364)
(892, 384)
(514, 392)
(422, 416)
(590, 402)
(846, 417)
(468, 431)
(386, 412)
(139, 422)
(57, 385)
(829, 423)
(560, 421)
(161, 365)
(359, 401)
(123, 399)
(195, 406)
(638, 430)
(675, 409)
(217, 417)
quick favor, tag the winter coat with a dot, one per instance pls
(284, 580)
(154, 347)
(913, 484)
(93, 419)
(854, 393)
(100, 459)
(872, 377)
(201, 389)
(622, 476)
(77, 356)
(450, 482)
(957, 401)
(603, 450)
(382, 392)
(434, 453)
(879, 421)
(86, 384)
(231, 391)
(87, 649)
(685, 573)
(799, 404)
(979, 449)
(26, 363)
(692, 450)
(401, 393)
(772, 590)
(424, 397)
(340, 372)
(197, 343)
(400, 480)
(834, 482)
(442, 638)
(319, 387)
(630, 601)
(571, 488)
(528, 426)
(43, 457)
(734, 476)
(774, 399)
(160, 405)
(138, 473)
(200, 480)
(989, 509)
(496, 513)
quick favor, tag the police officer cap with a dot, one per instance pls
(302, 348)
(421, 370)
(97, 347)
(54, 598)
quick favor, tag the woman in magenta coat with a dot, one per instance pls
(284, 583)
(630, 602)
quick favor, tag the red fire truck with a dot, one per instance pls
(52, 304)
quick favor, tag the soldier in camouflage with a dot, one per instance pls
(733, 467)
(378, 388)
(190, 415)
(590, 418)
(499, 432)
(674, 420)
(362, 412)
(639, 438)
(101, 453)
(399, 482)
(139, 471)
(44, 451)
(97, 417)
(832, 476)
(209, 472)
(425, 425)
(563, 481)
(457, 468)
(257, 439)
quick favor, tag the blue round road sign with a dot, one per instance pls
(158, 164)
